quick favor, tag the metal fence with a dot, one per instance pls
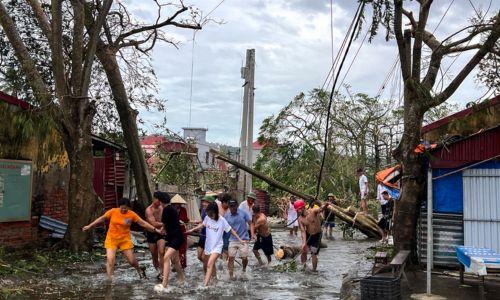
(448, 233)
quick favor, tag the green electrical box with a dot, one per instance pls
(15, 190)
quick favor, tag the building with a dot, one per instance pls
(257, 149)
(466, 182)
(42, 187)
(198, 136)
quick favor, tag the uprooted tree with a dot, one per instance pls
(419, 74)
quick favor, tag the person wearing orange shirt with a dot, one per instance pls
(118, 236)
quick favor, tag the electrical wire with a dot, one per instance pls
(353, 33)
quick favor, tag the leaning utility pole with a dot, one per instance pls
(246, 140)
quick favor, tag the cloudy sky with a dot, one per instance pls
(292, 41)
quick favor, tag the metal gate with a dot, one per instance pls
(482, 208)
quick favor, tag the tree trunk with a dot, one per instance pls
(412, 181)
(128, 121)
(82, 200)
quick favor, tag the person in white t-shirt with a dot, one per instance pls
(363, 189)
(380, 197)
(292, 219)
(215, 226)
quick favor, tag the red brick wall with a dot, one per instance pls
(56, 204)
(18, 234)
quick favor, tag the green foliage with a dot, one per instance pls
(21, 127)
(347, 230)
(363, 131)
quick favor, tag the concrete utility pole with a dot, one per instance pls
(246, 140)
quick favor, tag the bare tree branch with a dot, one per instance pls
(169, 21)
(419, 36)
(57, 48)
(480, 54)
(398, 13)
(40, 89)
(41, 17)
(92, 44)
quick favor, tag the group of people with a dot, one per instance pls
(225, 230)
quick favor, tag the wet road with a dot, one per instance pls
(257, 283)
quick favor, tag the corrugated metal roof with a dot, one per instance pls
(461, 114)
(478, 147)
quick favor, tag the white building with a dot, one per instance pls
(198, 136)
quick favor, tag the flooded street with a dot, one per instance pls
(258, 283)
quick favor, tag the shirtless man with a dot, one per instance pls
(310, 228)
(156, 241)
(259, 230)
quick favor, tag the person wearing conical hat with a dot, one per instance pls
(178, 202)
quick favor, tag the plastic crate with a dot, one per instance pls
(380, 287)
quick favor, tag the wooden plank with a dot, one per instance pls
(400, 258)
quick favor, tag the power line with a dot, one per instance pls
(357, 17)
(191, 83)
(354, 58)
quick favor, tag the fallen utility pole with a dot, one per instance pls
(364, 223)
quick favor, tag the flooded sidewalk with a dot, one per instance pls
(88, 281)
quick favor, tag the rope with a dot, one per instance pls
(353, 33)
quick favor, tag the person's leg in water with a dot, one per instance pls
(257, 255)
(110, 262)
(153, 248)
(303, 256)
(161, 254)
(129, 254)
(314, 259)
(212, 259)
(296, 230)
(233, 249)
(201, 258)
(171, 255)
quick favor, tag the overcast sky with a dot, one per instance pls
(292, 42)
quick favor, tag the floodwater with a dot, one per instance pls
(258, 283)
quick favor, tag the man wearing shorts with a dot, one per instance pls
(263, 237)
(156, 241)
(310, 228)
(239, 220)
(363, 189)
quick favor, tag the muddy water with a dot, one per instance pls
(257, 283)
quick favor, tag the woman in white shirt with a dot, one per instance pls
(215, 226)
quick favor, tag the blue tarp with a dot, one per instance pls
(448, 191)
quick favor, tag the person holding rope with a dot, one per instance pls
(310, 227)
(263, 237)
(216, 226)
(175, 239)
(239, 220)
(385, 222)
(119, 237)
(156, 241)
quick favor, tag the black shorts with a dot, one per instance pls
(175, 241)
(201, 242)
(384, 223)
(265, 243)
(313, 242)
(153, 237)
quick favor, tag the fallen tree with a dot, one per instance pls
(364, 223)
